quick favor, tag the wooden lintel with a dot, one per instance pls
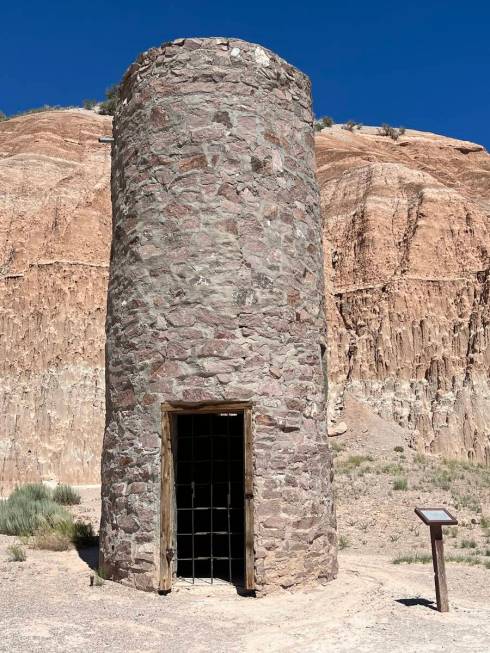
(205, 407)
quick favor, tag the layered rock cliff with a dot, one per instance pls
(407, 249)
(55, 216)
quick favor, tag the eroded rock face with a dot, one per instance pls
(55, 217)
(407, 249)
(406, 243)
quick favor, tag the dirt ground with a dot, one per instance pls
(47, 604)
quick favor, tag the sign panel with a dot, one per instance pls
(436, 516)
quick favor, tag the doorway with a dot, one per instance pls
(207, 512)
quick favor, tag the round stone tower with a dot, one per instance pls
(215, 460)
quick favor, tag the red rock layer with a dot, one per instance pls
(407, 250)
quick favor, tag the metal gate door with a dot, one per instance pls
(209, 480)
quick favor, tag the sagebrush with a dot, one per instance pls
(30, 508)
(66, 495)
(31, 511)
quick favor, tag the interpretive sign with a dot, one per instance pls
(436, 518)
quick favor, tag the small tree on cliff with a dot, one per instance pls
(325, 121)
(108, 107)
(392, 132)
(350, 125)
(89, 104)
(3, 116)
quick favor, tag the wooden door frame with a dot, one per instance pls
(167, 492)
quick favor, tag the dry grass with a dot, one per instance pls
(343, 542)
(468, 544)
(412, 558)
(15, 553)
(51, 540)
(354, 462)
(400, 484)
(389, 482)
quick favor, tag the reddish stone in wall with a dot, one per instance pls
(216, 294)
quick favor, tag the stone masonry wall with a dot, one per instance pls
(216, 293)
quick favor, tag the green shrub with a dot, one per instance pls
(420, 459)
(28, 509)
(395, 469)
(461, 559)
(82, 534)
(66, 495)
(388, 130)
(468, 544)
(442, 479)
(99, 577)
(337, 446)
(3, 116)
(350, 125)
(31, 492)
(31, 511)
(325, 121)
(467, 501)
(485, 522)
(352, 463)
(62, 535)
(356, 460)
(398, 449)
(413, 558)
(343, 542)
(400, 484)
(51, 539)
(89, 104)
(16, 553)
(464, 560)
(109, 106)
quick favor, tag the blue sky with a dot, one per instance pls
(419, 64)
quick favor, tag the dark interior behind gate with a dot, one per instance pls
(210, 496)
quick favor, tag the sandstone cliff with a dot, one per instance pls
(407, 251)
(407, 259)
(55, 218)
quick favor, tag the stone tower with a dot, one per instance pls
(215, 459)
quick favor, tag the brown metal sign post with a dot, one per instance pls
(436, 518)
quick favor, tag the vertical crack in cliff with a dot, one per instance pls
(476, 322)
(413, 216)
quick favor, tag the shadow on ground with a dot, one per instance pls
(417, 601)
(90, 555)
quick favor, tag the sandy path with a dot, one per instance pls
(47, 606)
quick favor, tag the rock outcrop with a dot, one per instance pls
(407, 249)
(407, 253)
(55, 217)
